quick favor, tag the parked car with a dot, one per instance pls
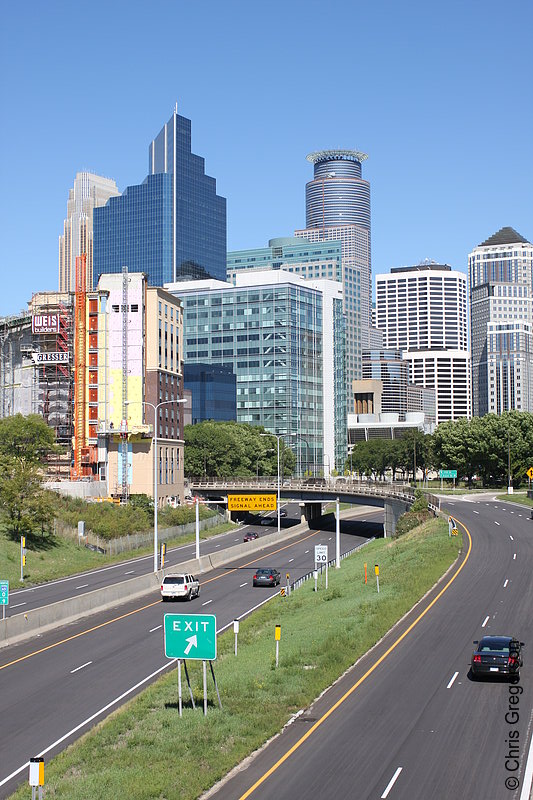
(250, 536)
(180, 587)
(497, 655)
(267, 521)
(266, 577)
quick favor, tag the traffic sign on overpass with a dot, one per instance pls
(192, 636)
(252, 502)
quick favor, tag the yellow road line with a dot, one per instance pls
(149, 605)
(352, 689)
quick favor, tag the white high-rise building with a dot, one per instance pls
(422, 311)
(88, 192)
(501, 319)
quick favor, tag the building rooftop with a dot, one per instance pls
(422, 267)
(336, 155)
(504, 236)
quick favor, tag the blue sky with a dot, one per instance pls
(438, 94)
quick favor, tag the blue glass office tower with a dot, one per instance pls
(173, 225)
(199, 214)
(135, 230)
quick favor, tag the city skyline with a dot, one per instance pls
(420, 93)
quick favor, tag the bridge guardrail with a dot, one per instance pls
(397, 491)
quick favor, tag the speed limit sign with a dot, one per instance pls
(321, 554)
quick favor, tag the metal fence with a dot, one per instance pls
(331, 563)
(134, 541)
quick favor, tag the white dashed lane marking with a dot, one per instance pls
(82, 666)
(506, 582)
(485, 622)
(496, 523)
(452, 680)
(155, 629)
(82, 586)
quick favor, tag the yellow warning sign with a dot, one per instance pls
(252, 502)
(529, 473)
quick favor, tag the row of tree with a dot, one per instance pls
(493, 448)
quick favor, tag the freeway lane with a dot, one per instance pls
(416, 726)
(27, 599)
(46, 694)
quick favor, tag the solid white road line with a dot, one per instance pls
(485, 622)
(391, 783)
(82, 666)
(506, 582)
(89, 719)
(455, 674)
(496, 523)
(130, 572)
(82, 586)
(527, 780)
(243, 584)
(155, 629)
(207, 602)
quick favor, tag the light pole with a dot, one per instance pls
(156, 408)
(278, 437)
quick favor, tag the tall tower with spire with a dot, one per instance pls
(337, 205)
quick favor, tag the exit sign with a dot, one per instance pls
(192, 636)
(4, 593)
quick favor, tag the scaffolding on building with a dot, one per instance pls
(52, 384)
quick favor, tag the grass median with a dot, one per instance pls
(145, 751)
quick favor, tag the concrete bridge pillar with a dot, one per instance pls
(310, 512)
(393, 511)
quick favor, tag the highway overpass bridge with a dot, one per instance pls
(395, 498)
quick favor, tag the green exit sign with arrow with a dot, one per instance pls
(192, 636)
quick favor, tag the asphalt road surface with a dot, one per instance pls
(407, 723)
(23, 600)
(57, 686)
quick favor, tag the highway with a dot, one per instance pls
(27, 599)
(407, 723)
(57, 686)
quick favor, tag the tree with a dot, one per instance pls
(27, 439)
(25, 442)
(231, 449)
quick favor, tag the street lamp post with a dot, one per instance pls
(278, 437)
(156, 409)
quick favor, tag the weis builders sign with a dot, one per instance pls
(45, 323)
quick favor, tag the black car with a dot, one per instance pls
(266, 577)
(282, 512)
(497, 655)
(250, 536)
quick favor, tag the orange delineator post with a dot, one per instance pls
(80, 364)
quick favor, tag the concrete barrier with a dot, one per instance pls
(39, 620)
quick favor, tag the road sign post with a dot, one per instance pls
(36, 776)
(277, 637)
(4, 596)
(376, 570)
(22, 556)
(337, 536)
(236, 632)
(321, 558)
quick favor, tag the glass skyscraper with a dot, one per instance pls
(283, 339)
(337, 205)
(199, 214)
(135, 230)
(173, 225)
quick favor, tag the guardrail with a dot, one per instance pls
(331, 563)
(400, 491)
